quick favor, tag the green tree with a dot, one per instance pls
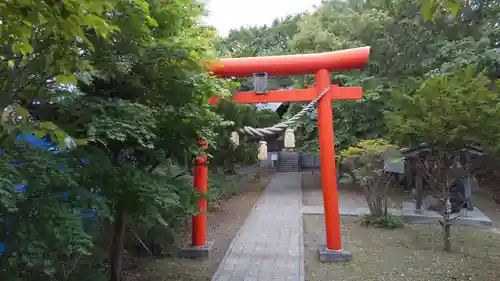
(44, 42)
(141, 91)
(448, 113)
(148, 101)
(403, 45)
(225, 154)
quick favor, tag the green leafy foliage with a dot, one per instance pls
(448, 111)
(431, 7)
(53, 36)
(124, 79)
(403, 44)
(366, 158)
(41, 229)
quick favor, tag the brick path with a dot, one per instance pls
(269, 245)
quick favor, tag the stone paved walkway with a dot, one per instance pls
(269, 245)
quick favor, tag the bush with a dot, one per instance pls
(221, 186)
(389, 221)
(366, 161)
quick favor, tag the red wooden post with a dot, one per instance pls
(328, 168)
(199, 227)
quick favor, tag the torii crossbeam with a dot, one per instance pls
(321, 65)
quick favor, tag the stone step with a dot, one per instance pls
(289, 164)
(289, 167)
(289, 161)
(288, 170)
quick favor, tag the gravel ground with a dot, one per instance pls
(412, 253)
(223, 224)
(482, 198)
(348, 193)
(313, 196)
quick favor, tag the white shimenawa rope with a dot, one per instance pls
(280, 127)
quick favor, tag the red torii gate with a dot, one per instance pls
(321, 64)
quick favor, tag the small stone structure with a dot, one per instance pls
(421, 210)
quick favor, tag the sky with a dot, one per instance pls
(231, 14)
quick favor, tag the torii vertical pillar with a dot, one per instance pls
(200, 247)
(322, 65)
(200, 182)
(328, 167)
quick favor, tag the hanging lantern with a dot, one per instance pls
(260, 83)
(262, 150)
(235, 138)
(289, 138)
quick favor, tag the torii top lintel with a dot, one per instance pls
(291, 64)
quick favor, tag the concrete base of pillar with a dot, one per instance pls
(326, 255)
(192, 252)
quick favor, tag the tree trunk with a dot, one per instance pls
(447, 237)
(369, 200)
(386, 213)
(378, 203)
(116, 254)
(374, 201)
(419, 182)
(447, 225)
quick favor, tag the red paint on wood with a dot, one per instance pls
(328, 168)
(291, 64)
(199, 223)
(301, 95)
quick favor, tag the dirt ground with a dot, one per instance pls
(223, 224)
(411, 253)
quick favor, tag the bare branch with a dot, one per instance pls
(142, 243)
(73, 266)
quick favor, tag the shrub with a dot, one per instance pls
(389, 221)
(366, 161)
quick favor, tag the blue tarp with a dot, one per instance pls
(50, 146)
